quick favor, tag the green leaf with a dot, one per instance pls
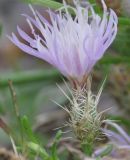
(58, 136)
(29, 77)
(54, 146)
(38, 150)
(107, 150)
(46, 3)
(27, 129)
(124, 21)
(114, 59)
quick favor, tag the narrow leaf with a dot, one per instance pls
(27, 129)
(38, 150)
(46, 3)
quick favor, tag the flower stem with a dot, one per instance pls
(88, 149)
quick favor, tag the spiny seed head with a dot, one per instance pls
(85, 120)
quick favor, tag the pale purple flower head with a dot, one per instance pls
(71, 44)
(120, 138)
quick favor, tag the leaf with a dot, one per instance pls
(54, 145)
(38, 150)
(124, 21)
(46, 3)
(29, 77)
(27, 129)
(107, 150)
(114, 59)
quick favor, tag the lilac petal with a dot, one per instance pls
(111, 21)
(104, 19)
(33, 21)
(43, 20)
(120, 130)
(72, 45)
(111, 30)
(114, 137)
(22, 46)
(99, 151)
(26, 37)
(28, 49)
(77, 64)
(124, 147)
(110, 38)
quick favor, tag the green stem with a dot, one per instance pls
(88, 149)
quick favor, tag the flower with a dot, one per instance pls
(71, 44)
(120, 138)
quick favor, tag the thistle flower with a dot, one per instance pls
(120, 138)
(72, 45)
